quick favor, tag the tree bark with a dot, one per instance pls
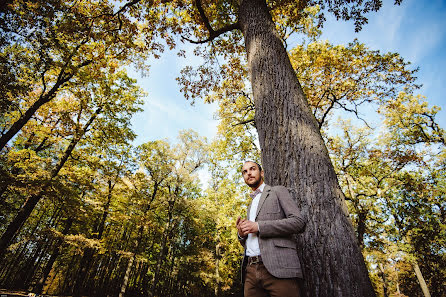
(294, 155)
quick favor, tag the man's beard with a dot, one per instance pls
(255, 183)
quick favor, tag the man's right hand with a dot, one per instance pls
(239, 228)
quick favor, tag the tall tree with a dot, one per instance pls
(395, 193)
(293, 151)
(51, 43)
(294, 155)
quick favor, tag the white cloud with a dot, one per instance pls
(165, 117)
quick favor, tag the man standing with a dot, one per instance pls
(271, 266)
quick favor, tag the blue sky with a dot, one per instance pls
(415, 29)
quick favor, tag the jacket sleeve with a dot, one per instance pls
(242, 240)
(292, 222)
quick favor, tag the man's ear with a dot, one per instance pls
(261, 174)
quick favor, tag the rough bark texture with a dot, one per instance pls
(294, 155)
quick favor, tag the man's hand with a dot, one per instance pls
(239, 226)
(247, 227)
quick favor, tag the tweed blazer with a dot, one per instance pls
(279, 218)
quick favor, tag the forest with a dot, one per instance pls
(86, 212)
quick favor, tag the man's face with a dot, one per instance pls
(252, 175)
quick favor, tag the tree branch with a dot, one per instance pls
(215, 34)
(243, 122)
(204, 18)
(212, 33)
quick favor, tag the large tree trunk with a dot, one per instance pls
(19, 220)
(294, 155)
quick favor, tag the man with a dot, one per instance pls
(271, 266)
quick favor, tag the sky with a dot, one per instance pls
(415, 29)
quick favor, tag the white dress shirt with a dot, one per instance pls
(252, 242)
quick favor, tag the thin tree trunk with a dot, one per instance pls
(362, 217)
(294, 155)
(35, 262)
(361, 227)
(217, 270)
(421, 280)
(69, 276)
(31, 202)
(383, 277)
(164, 247)
(105, 212)
(18, 221)
(11, 267)
(83, 271)
(126, 276)
(397, 284)
(159, 262)
(89, 252)
(53, 257)
(17, 270)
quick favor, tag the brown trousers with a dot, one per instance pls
(260, 283)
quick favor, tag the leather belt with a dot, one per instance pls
(254, 260)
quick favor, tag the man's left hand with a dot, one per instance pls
(249, 227)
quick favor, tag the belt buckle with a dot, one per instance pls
(254, 260)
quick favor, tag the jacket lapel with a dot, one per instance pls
(263, 197)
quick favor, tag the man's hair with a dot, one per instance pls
(258, 165)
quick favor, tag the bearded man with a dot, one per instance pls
(271, 265)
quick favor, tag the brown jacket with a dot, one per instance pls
(279, 218)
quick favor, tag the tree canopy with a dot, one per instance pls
(85, 211)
